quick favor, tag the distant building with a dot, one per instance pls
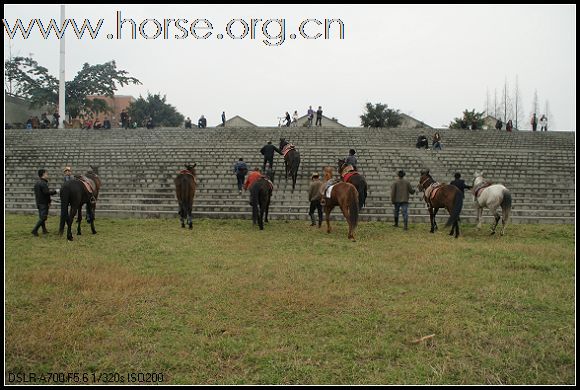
(408, 122)
(489, 123)
(117, 103)
(17, 110)
(237, 121)
(326, 122)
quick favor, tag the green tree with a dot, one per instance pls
(155, 106)
(33, 82)
(470, 120)
(380, 115)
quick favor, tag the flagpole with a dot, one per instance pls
(61, 85)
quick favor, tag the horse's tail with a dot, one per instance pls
(64, 203)
(457, 206)
(353, 207)
(506, 204)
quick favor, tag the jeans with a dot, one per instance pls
(42, 217)
(241, 178)
(315, 205)
(404, 207)
(270, 161)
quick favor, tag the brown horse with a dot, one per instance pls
(291, 161)
(441, 195)
(76, 193)
(345, 196)
(352, 176)
(185, 189)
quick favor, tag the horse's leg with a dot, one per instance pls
(327, 210)
(431, 219)
(190, 217)
(79, 219)
(497, 217)
(479, 213)
(261, 217)
(73, 212)
(267, 209)
(435, 211)
(504, 220)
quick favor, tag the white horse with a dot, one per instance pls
(491, 196)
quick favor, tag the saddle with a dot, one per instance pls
(287, 148)
(348, 172)
(431, 191)
(477, 190)
(89, 184)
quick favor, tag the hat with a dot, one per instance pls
(401, 173)
(315, 174)
(67, 169)
(457, 175)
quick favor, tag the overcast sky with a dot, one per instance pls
(429, 61)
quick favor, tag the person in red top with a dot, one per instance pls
(252, 178)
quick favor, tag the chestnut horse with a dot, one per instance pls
(356, 179)
(345, 196)
(185, 190)
(441, 195)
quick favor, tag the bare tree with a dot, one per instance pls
(506, 104)
(487, 102)
(548, 114)
(495, 105)
(518, 113)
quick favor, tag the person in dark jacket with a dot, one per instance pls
(42, 194)
(400, 191)
(351, 159)
(268, 152)
(460, 183)
(240, 169)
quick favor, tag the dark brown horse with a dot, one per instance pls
(441, 195)
(352, 176)
(260, 194)
(82, 190)
(185, 190)
(291, 161)
(345, 196)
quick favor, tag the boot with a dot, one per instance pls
(396, 222)
(312, 220)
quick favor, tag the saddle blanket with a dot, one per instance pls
(287, 148)
(88, 183)
(350, 174)
(328, 192)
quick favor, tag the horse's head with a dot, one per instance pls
(341, 162)
(477, 177)
(425, 180)
(191, 168)
(93, 169)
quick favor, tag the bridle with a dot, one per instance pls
(422, 183)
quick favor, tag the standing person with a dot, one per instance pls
(460, 183)
(42, 194)
(202, 122)
(351, 159)
(224, 119)
(498, 124)
(543, 123)
(56, 117)
(287, 119)
(509, 126)
(295, 118)
(268, 153)
(319, 116)
(67, 174)
(534, 122)
(310, 116)
(124, 119)
(241, 170)
(400, 191)
(188, 123)
(314, 196)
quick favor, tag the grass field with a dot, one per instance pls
(228, 304)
